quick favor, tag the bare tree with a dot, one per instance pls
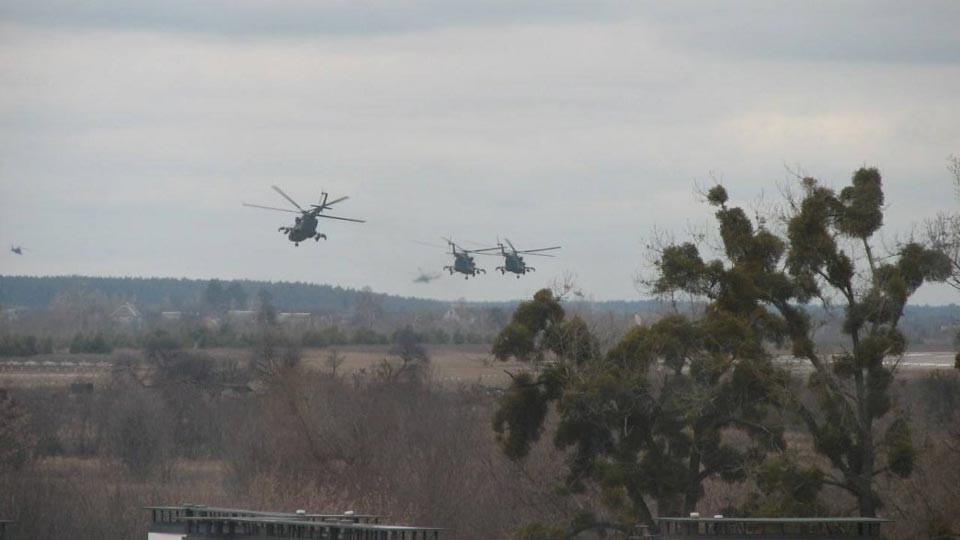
(943, 231)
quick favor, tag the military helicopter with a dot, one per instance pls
(513, 259)
(305, 225)
(425, 277)
(18, 249)
(463, 261)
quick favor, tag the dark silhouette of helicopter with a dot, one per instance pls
(424, 277)
(17, 249)
(463, 261)
(513, 258)
(305, 225)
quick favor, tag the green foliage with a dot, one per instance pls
(215, 297)
(518, 421)
(329, 336)
(717, 195)
(95, 344)
(521, 338)
(571, 340)
(786, 489)
(900, 452)
(861, 205)
(366, 336)
(19, 345)
(682, 269)
(160, 346)
(755, 299)
(636, 435)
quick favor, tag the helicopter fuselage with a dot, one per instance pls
(304, 228)
(463, 264)
(305, 225)
(514, 263)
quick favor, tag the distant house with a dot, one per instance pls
(461, 313)
(210, 323)
(297, 320)
(240, 319)
(126, 315)
(292, 317)
(241, 316)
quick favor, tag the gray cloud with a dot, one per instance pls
(817, 30)
(126, 147)
(302, 17)
(860, 31)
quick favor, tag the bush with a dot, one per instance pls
(325, 337)
(139, 431)
(97, 344)
(939, 396)
(13, 345)
(366, 336)
(16, 441)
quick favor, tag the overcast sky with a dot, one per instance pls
(130, 132)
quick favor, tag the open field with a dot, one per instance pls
(419, 452)
(465, 364)
(449, 363)
(456, 364)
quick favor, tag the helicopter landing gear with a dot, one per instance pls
(502, 270)
(319, 236)
(296, 244)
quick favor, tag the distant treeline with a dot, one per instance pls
(936, 326)
(177, 294)
(183, 293)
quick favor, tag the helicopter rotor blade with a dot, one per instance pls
(326, 204)
(537, 254)
(287, 197)
(509, 243)
(271, 208)
(541, 249)
(452, 245)
(472, 243)
(341, 218)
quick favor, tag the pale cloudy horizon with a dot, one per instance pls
(131, 133)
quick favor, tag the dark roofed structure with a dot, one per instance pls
(732, 528)
(196, 522)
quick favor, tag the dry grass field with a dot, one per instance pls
(330, 443)
(455, 364)
(448, 363)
